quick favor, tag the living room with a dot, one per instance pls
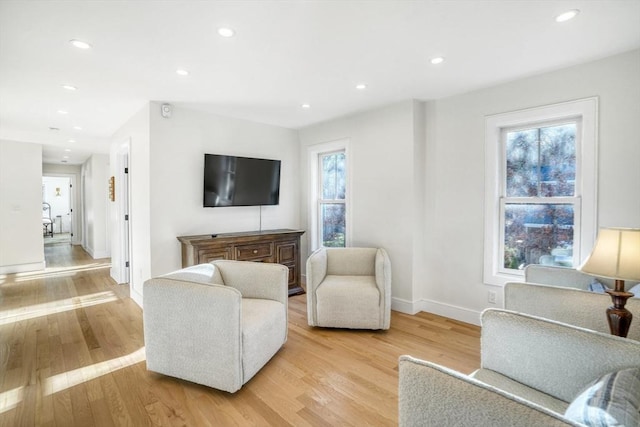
(416, 168)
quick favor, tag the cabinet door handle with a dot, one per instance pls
(255, 251)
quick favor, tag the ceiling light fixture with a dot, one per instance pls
(182, 72)
(80, 44)
(77, 128)
(226, 32)
(570, 14)
(437, 60)
(68, 150)
(361, 86)
(63, 112)
(65, 157)
(71, 141)
(69, 87)
(306, 106)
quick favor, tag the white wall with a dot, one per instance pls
(74, 172)
(385, 193)
(178, 145)
(95, 173)
(21, 244)
(166, 179)
(135, 134)
(455, 170)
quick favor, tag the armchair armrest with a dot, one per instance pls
(256, 279)
(431, 395)
(172, 306)
(383, 281)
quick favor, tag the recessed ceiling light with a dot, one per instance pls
(71, 140)
(570, 14)
(80, 44)
(306, 106)
(361, 86)
(63, 112)
(68, 150)
(65, 157)
(69, 87)
(226, 32)
(437, 60)
(77, 128)
(182, 72)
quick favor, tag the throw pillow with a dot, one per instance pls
(635, 291)
(598, 287)
(611, 400)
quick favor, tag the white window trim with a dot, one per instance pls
(312, 161)
(586, 180)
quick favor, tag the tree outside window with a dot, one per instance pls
(539, 203)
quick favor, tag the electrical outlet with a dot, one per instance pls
(491, 297)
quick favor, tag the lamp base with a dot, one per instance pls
(619, 318)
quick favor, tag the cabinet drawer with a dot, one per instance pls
(209, 254)
(257, 250)
(287, 252)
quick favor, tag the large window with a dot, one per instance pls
(540, 188)
(332, 194)
(539, 207)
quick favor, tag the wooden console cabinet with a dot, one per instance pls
(277, 246)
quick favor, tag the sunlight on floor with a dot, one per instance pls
(10, 399)
(53, 307)
(52, 272)
(69, 379)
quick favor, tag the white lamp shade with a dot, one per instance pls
(616, 254)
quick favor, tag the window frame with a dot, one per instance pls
(315, 153)
(584, 112)
(320, 194)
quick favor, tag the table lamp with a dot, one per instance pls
(616, 255)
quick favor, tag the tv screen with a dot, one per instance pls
(240, 181)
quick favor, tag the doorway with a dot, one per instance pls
(57, 209)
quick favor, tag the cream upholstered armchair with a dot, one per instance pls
(349, 288)
(215, 324)
(534, 372)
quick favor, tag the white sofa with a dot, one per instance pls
(531, 370)
(562, 294)
(215, 324)
(349, 288)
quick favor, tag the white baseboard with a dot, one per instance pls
(22, 268)
(135, 296)
(451, 311)
(97, 254)
(446, 310)
(404, 306)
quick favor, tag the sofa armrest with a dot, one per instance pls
(431, 395)
(573, 306)
(555, 358)
(256, 279)
(172, 307)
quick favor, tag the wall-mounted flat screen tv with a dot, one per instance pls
(240, 181)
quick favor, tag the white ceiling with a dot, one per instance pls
(285, 53)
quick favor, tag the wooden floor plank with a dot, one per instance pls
(69, 337)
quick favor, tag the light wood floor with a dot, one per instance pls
(71, 354)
